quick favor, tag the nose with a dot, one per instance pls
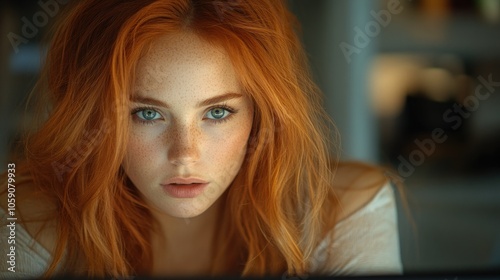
(184, 144)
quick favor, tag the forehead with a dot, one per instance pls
(183, 61)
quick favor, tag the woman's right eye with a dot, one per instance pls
(146, 115)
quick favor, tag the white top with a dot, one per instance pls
(364, 243)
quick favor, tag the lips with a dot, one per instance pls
(179, 187)
(184, 181)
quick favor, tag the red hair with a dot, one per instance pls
(281, 201)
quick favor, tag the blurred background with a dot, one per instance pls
(415, 85)
(412, 85)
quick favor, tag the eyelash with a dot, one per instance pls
(142, 108)
(215, 121)
(225, 107)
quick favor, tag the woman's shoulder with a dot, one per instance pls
(356, 184)
(34, 211)
(365, 230)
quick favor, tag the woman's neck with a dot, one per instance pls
(184, 246)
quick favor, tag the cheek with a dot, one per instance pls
(227, 148)
(142, 157)
(227, 152)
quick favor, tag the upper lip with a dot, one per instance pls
(184, 180)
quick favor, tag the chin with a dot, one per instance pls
(185, 209)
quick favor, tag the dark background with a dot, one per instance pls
(402, 81)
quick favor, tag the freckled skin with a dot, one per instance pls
(182, 70)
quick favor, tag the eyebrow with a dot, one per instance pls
(206, 102)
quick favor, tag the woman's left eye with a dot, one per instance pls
(217, 113)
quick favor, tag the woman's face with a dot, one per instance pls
(190, 119)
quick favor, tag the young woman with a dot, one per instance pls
(186, 138)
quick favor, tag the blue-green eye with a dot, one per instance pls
(146, 114)
(217, 113)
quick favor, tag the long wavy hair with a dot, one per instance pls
(280, 203)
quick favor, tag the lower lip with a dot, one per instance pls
(185, 191)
